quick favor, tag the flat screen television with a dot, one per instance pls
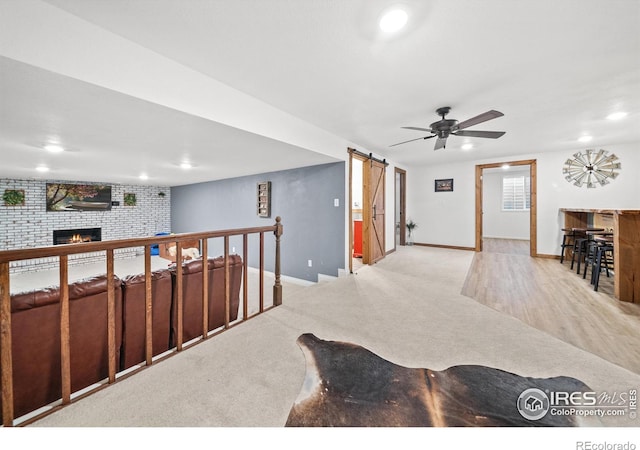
(78, 197)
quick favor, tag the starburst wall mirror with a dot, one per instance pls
(591, 168)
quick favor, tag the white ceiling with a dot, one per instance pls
(555, 69)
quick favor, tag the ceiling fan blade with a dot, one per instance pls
(479, 119)
(411, 140)
(440, 143)
(417, 128)
(480, 134)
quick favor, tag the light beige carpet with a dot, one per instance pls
(407, 309)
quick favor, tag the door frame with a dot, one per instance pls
(533, 212)
(402, 206)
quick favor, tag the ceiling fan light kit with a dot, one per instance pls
(590, 168)
(444, 128)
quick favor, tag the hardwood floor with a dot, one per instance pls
(549, 296)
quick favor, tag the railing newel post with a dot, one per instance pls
(277, 287)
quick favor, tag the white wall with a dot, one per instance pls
(443, 218)
(497, 223)
(448, 218)
(356, 190)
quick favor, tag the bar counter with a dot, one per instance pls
(625, 225)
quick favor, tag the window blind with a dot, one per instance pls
(516, 193)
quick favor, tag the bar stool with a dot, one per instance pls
(597, 238)
(583, 236)
(590, 258)
(568, 239)
(602, 257)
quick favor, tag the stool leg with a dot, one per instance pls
(580, 254)
(595, 266)
(573, 253)
(596, 270)
(563, 246)
(606, 260)
(590, 259)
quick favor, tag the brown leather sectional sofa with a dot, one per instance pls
(134, 316)
(35, 326)
(192, 296)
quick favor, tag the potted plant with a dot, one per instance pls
(13, 197)
(411, 225)
(130, 199)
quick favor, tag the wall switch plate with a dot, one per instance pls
(310, 263)
(336, 202)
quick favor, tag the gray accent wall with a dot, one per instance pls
(305, 200)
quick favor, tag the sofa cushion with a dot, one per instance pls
(192, 295)
(35, 327)
(134, 316)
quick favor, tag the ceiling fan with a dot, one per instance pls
(443, 128)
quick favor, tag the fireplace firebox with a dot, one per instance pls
(76, 236)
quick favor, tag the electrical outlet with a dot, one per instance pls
(233, 249)
(310, 263)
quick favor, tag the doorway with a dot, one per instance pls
(366, 209)
(400, 206)
(532, 165)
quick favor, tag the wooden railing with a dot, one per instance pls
(63, 252)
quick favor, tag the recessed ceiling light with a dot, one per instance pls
(144, 176)
(466, 146)
(53, 148)
(42, 169)
(617, 115)
(186, 165)
(393, 21)
(585, 138)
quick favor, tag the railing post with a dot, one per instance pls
(65, 340)
(227, 284)
(277, 287)
(111, 316)
(6, 376)
(148, 306)
(179, 300)
(261, 272)
(245, 276)
(205, 288)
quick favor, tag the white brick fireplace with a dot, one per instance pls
(32, 226)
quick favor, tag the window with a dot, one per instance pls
(516, 193)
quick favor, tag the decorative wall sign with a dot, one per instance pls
(445, 185)
(264, 199)
(591, 168)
